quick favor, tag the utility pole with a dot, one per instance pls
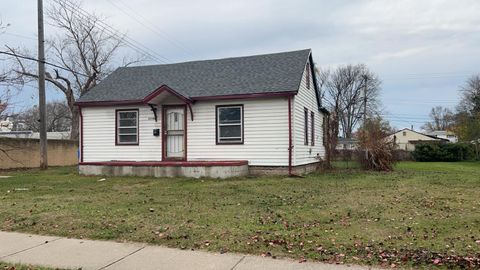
(41, 88)
(365, 111)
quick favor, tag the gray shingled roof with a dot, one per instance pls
(267, 73)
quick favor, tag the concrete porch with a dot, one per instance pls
(195, 169)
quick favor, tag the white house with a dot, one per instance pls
(347, 144)
(406, 139)
(218, 118)
(444, 134)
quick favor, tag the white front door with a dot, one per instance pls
(174, 133)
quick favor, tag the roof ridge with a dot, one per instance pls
(217, 59)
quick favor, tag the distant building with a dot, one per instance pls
(444, 134)
(406, 139)
(6, 125)
(347, 144)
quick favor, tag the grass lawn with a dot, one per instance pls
(422, 214)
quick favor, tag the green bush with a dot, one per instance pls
(443, 152)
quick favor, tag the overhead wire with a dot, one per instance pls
(137, 46)
(46, 63)
(148, 25)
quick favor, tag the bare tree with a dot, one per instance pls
(5, 81)
(470, 102)
(84, 49)
(467, 118)
(343, 90)
(442, 119)
(58, 117)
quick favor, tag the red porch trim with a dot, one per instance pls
(165, 88)
(169, 163)
(145, 100)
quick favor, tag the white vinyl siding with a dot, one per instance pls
(265, 133)
(99, 136)
(306, 99)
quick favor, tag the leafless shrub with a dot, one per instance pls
(376, 149)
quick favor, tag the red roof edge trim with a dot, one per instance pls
(247, 96)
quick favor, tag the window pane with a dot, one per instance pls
(127, 138)
(230, 131)
(230, 139)
(127, 131)
(128, 123)
(229, 115)
(305, 119)
(127, 115)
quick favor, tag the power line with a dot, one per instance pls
(46, 63)
(147, 24)
(82, 14)
(18, 35)
(137, 46)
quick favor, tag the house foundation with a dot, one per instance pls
(192, 169)
(283, 170)
(209, 169)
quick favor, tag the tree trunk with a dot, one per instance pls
(75, 123)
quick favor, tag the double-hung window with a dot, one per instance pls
(312, 124)
(127, 127)
(305, 123)
(229, 128)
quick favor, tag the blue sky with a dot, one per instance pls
(423, 51)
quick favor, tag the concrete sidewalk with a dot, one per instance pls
(88, 254)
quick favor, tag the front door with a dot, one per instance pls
(174, 127)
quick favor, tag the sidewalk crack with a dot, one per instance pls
(23, 250)
(116, 261)
(239, 261)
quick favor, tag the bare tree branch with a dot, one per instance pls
(343, 90)
(83, 47)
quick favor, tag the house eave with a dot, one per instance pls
(185, 99)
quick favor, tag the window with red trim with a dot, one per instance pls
(312, 123)
(305, 117)
(127, 127)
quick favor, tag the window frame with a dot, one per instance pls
(312, 126)
(305, 126)
(217, 124)
(117, 127)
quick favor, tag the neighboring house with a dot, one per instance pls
(219, 118)
(406, 139)
(347, 144)
(444, 134)
(6, 125)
